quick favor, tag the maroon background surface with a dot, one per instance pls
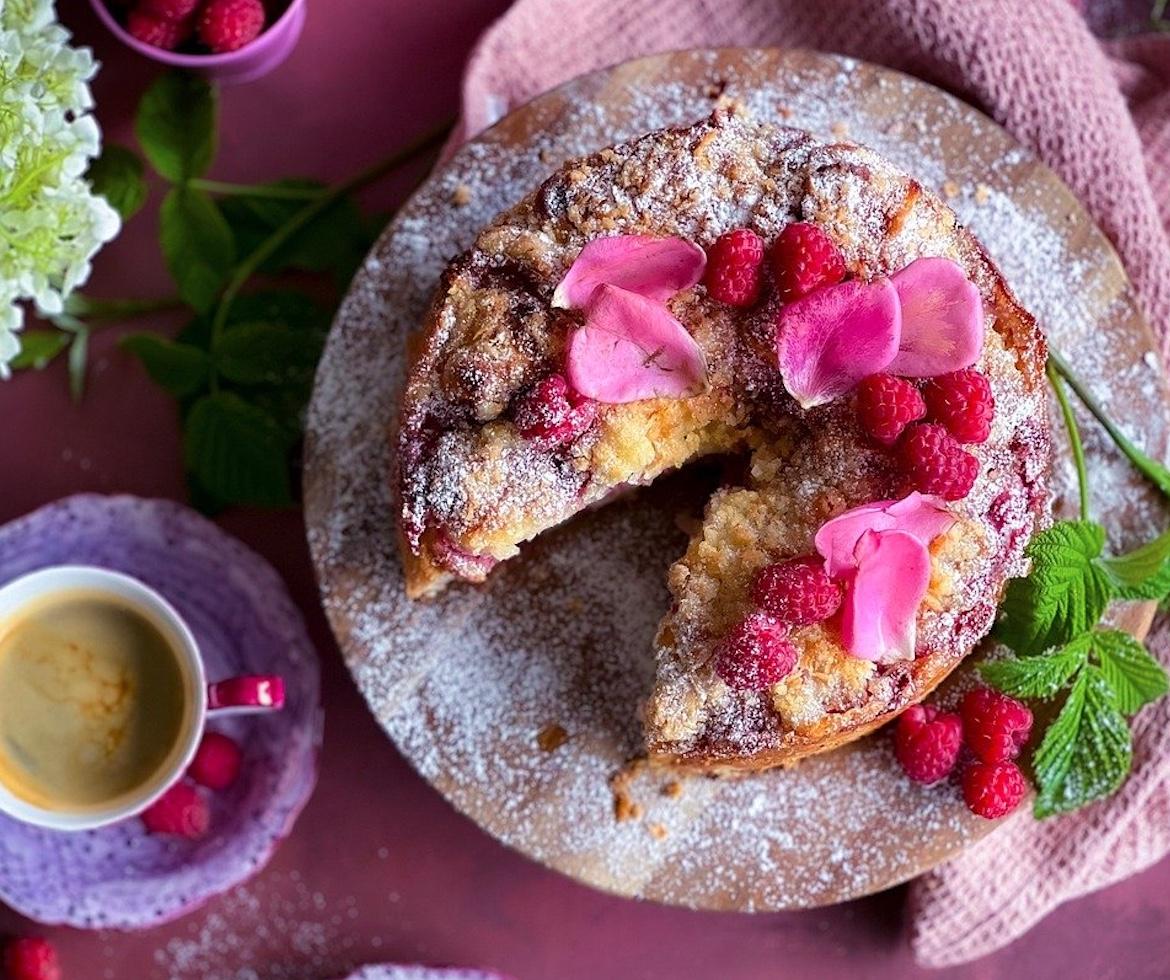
(380, 867)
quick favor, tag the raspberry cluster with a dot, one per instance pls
(219, 26)
(994, 727)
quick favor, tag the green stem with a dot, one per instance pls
(119, 309)
(267, 248)
(1150, 468)
(1074, 439)
(256, 190)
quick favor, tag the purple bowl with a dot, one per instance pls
(248, 63)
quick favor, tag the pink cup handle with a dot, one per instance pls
(247, 695)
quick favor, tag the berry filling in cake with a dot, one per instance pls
(736, 288)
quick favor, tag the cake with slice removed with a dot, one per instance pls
(736, 288)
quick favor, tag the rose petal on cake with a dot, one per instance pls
(879, 617)
(922, 515)
(631, 348)
(942, 319)
(828, 341)
(656, 268)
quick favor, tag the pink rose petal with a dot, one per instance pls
(942, 319)
(923, 516)
(879, 617)
(656, 268)
(828, 341)
(631, 348)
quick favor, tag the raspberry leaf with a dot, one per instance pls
(176, 126)
(1135, 677)
(1041, 676)
(1143, 573)
(38, 348)
(1086, 752)
(198, 245)
(237, 452)
(1063, 595)
(268, 353)
(117, 176)
(179, 368)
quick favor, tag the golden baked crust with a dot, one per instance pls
(472, 489)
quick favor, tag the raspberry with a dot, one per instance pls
(158, 32)
(172, 10)
(797, 592)
(996, 727)
(755, 653)
(804, 258)
(217, 762)
(993, 789)
(227, 25)
(31, 958)
(935, 463)
(552, 412)
(733, 267)
(962, 401)
(927, 743)
(180, 811)
(886, 405)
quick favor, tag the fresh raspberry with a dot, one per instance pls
(962, 401)
(993, 789)
(797, 592)
(996, 727)
(935, 463)
(804, 258)
(886, 405)
(157, 31)
(217, 762)
(227, 25)
(733, 267)
(927, 742)
(755, 654)
(552, 412)
(31, 958)
(172, 10)
(181, 811)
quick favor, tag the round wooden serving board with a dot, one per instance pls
(478, 686)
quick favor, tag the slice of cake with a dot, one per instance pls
(735, 288)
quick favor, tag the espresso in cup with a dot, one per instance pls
(94, 701)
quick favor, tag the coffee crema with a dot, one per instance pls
(93, 701)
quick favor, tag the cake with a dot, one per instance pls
(807, 311)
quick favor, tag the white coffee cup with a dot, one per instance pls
(237, 695)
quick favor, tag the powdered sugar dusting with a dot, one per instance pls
(562, 636)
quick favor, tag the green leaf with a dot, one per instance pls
(176, 126)
(117, 176)
(197, 244)
(1143, 573)
(1040, 676)
(38, 348)
(268, 353)
(179, 368)
(237, 452)
(78, 364)
(1135, 677)
(1086, 752)
(1063, 595)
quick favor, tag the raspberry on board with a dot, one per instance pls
(996, 726)
(993, 789)
(804, 258)
(733, 267)
(797, 592)
(755, 654)
(927, 743)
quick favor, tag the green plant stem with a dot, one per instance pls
(267, 248)
(256, 190)
(119, 309)
(1150, 468)
(1074, 438)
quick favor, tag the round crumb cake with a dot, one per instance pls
(509, 425)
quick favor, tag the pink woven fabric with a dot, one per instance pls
(1099, 114)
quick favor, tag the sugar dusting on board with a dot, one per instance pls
(561, 637)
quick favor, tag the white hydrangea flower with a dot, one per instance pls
(50, 223)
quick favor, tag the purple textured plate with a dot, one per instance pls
(401, 971)
(121, 877)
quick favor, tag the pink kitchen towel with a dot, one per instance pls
(1097, 112)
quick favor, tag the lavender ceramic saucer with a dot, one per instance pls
(400, 971)
(122, 877)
